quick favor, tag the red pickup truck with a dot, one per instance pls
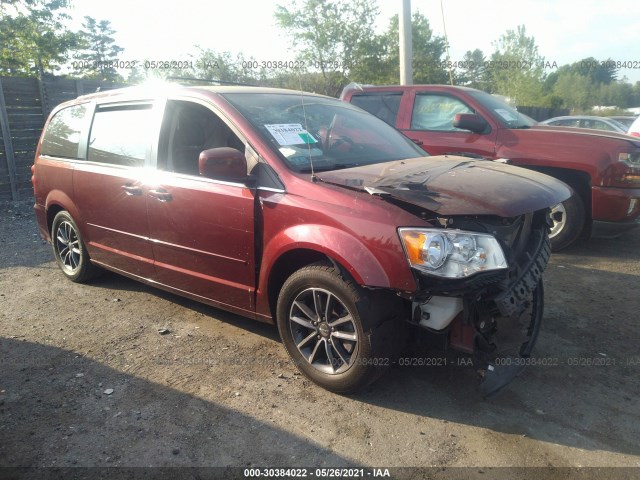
(603, 168)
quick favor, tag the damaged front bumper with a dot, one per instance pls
(495, 317)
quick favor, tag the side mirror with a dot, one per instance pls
(223, 163)
(470, 121)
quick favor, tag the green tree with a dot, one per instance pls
(428, 51)
(33, 37)
(99, 51)
(331, 35)
(589, 82)
(224, 66)
(603, 72)
(635, 95)
(516, 68)
(616, 93)
(474, 73)
(598, 72)
(575, 90)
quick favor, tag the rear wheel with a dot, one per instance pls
(69, 249)
(328, 327)
(568, 221)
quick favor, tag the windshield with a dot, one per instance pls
(321, 133)
(505, 114)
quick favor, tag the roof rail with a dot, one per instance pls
(207, 80)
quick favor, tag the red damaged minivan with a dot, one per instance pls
(303, 211)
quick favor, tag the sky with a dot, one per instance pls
(565, 31)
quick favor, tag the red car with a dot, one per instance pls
(603, 168)
(303, 211)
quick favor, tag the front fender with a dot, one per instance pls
(352, 253)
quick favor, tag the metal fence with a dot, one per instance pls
(25, 104)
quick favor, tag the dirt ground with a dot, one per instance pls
(87, 380)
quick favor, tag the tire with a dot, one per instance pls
(535, 315)
(69, 249)
(342, 348)
(568, 221)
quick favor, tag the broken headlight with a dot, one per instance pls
(451, 253)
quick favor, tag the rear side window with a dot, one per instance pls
(567, 123)
(597, 124)
(62, 136)
(120, 135)
(384, 106)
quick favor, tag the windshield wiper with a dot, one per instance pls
(347, 165)
(326, 168)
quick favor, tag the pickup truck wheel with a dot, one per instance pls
(69, 249)
(568, 221)
(325, 329)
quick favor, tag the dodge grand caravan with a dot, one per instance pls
(303, 211)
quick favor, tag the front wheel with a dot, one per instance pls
(69, 249)
(568, 221)
(328, 327)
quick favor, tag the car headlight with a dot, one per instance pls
(451, 253)
(632, 159)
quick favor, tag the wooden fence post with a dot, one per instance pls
(8, 146)
(44, 104)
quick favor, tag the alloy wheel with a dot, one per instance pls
(68, 246)
(323, 330)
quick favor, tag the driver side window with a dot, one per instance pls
(436, 112)
(188, 129)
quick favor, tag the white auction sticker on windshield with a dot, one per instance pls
(506, 114)
(290, 134)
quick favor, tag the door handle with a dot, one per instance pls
(132, 189)
(161, 194)
(417, 142)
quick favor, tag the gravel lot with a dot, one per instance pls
(86, 379)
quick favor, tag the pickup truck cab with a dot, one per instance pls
(303, 211)
(603, 168)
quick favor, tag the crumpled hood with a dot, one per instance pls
(450, 185)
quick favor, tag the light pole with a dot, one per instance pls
(406, 51)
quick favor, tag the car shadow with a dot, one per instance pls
(580, 388)
(59, 409)
(113, 281)
(540, 404)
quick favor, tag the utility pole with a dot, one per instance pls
(406, 51)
